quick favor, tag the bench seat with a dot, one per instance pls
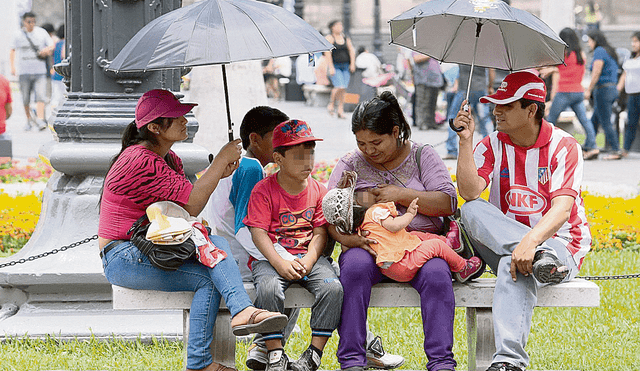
(475, 296)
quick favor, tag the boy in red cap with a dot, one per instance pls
(285, 210)
(533, 231)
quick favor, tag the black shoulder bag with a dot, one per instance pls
(167, 257)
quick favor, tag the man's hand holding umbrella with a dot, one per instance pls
(464, 123)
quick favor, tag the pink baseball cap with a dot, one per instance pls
(291, 133)
(159, 103)
(516, 86)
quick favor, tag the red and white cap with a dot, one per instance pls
(291, 133)
(516, 86)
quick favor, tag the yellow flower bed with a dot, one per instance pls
(18, 218)
(614, 221)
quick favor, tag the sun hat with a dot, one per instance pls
(516, 86)
(337, 204)
(291, 133)
(159, 103)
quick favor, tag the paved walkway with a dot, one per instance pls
(617, 178)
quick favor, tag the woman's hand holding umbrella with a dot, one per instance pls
(229, 157)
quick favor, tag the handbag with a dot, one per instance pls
(170, 253)
(45, 58)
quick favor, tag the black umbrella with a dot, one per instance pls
(218, 32)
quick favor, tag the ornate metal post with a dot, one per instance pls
(346, 16)
(377, 42)
(87, 131)
(298, 8)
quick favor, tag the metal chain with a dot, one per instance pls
(54, 251)
(616, 277)
(95, 237)
(595, 278)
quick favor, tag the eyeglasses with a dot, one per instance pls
(291, 219)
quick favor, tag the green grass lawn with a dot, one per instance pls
(587, 339)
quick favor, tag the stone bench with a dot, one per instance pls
(316, 95)
(475, 296)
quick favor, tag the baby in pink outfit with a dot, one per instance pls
(400, 254)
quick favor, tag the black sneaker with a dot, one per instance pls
(280, 365)
(503, 366)
(309, 361)
(547, 268)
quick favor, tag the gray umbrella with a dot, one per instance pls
(218, 32)
(486, 33)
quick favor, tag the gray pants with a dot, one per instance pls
(322, 282)
(495, 236)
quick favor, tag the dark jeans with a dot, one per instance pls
(603, 98)
(359, 272)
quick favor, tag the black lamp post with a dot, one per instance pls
(377, 42)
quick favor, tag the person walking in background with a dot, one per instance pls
(57, 86)
(5, 104)
(604, 77)
(479, 84)
(428, 80)
(342, 63)
(630, 82)
(29, 50)
(592, 16)
(567, 90)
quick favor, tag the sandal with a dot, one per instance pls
(331, 109)
(591, 154)
(270, 324)
(613, 156)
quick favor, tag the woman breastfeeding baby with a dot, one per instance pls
(399, 253)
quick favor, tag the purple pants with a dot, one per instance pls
(358, 273)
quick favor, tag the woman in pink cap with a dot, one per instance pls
(146, 171)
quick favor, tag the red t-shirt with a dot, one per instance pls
(137, 179)
(571, 75)
(5, 97)
(288, 219)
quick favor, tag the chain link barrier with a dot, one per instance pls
(615, 277)
(95, 237)
(54, 251)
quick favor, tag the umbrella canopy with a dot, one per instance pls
(218, 32)
(507, 38)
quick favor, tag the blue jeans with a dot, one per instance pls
(483, 120)
(124, 265)
(576, 102)
(603, 98)
(495, 236)
(633, 114)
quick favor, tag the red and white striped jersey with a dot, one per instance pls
(523, 181)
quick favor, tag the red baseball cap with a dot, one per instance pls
(159, 103)
(291, 133)
(518, 85)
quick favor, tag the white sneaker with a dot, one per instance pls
(378, 358)
(257, 357)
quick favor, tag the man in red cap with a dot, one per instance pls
(288, 227)
(533, 231)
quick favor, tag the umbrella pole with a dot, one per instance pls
(226, 101)
(473, 63)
